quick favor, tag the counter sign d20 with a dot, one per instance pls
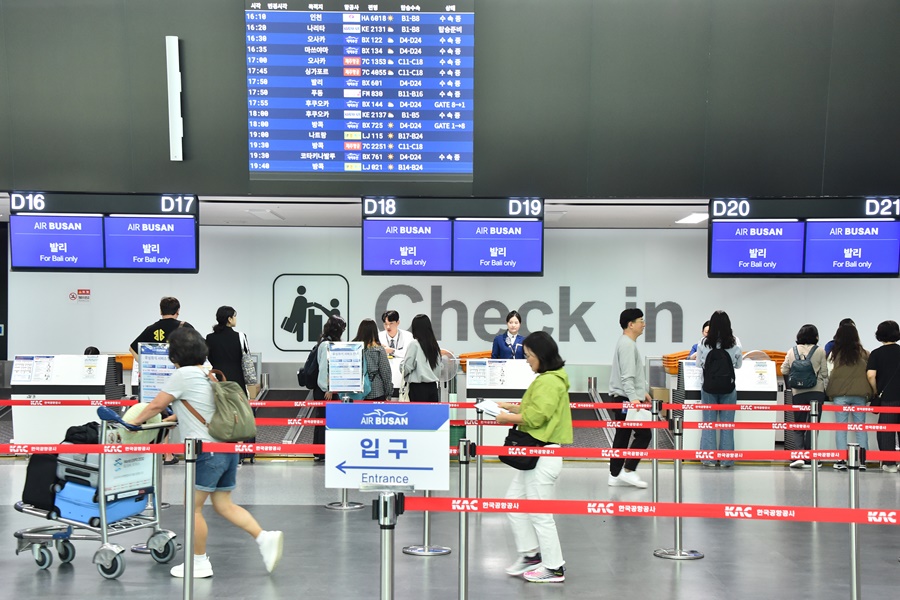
(393, 443)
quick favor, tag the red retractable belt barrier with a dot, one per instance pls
(57, 402)
(743, 512)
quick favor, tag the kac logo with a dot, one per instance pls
(779, 425)
(610, 453)
(112, 449)
(706, 426)
(800, 455)
(600, 508)
(244, 448)
(464, 505)
(855, 427)
(517, 451)
(739, 512)
(881, 516)
(706, 455)
(18, 449)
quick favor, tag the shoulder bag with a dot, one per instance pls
(518, 438)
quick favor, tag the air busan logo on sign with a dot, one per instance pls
(384, 417)
(740, 512)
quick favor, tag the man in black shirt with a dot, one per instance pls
(158, 332)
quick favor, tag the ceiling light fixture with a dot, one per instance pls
(694, 218)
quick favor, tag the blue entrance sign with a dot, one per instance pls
(388, 443)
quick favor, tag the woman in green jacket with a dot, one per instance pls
(544, 414)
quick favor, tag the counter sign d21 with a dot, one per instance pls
(403, 444)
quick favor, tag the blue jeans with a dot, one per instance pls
(840, 436)
(726, 436)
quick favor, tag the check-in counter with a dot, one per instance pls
(52, 382)
(499, 380)
(756, 383)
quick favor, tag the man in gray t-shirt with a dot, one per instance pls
(628, 383)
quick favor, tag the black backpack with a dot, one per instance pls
(802, 374)
(718, 372)
(309, 373)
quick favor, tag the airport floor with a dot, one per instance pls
(335, 555)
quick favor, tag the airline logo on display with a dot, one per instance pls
(302, 304)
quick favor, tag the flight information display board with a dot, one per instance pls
(52, 231)
(369, 91)
(804, 237)
(456, 236)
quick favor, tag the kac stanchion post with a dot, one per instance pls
(479, 460)
(465, 454)
(853, 462)
(814, 445)
(656, 407)
(385, 509)
(192, 449)
(344, 503)
(677, 553)
(426, 549)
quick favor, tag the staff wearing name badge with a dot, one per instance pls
(395, 340)
(510, 344)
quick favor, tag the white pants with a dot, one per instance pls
(532, 530)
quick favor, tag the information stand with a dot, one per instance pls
(59, 378)
(155, 369)
(345, 372)
(756, 383)
(499, 380)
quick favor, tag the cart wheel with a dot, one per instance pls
(66, 551)
(116, 568)
(44, 558)
(166, 554)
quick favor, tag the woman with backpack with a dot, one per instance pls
(806, 369)
(848, 386)
(718, 355)
(377, 365)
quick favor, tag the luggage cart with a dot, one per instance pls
(109, 558)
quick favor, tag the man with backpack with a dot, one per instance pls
(718, 355)
(805, 368)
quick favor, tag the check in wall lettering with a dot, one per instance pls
(303, 302)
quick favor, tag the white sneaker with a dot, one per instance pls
(271, 545)
(613, 481)
(631, 478)
(889, 468)
(797, 464)
(202, 569)
(524, 563)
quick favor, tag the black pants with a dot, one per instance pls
(887, 440)
(424, 392)
(804, 438)
(642, 437)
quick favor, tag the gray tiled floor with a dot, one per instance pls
(336, 555)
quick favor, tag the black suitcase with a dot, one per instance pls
(40, 481)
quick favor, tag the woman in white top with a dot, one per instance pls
(216, 471)
(421, 366)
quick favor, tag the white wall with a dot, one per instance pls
(238, 266)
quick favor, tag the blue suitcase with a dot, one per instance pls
(79, 503)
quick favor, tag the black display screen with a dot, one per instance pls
(804, 237)
(375, 91)
(458, 236)
(52, 231)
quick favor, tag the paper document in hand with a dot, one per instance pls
(639, 414)
(490, 408)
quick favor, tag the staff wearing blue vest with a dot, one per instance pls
(510, 344)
